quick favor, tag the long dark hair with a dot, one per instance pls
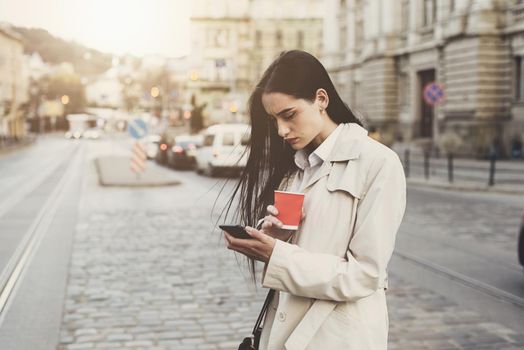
(298, 74)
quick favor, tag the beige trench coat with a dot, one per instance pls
(332, 277)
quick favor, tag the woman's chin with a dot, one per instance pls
(297, 146)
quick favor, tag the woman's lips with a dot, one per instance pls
(292, 140)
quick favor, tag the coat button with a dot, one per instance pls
(281, 316)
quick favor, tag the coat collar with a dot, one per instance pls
(347, 147)
(349, 143)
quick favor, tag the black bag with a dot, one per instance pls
(252, 342)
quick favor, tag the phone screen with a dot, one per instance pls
(236, 231)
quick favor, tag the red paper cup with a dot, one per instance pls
(289, 205)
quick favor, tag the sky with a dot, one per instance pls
(138, 27)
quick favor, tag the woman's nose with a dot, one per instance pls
(283, 130)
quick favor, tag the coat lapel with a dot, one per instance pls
(324, 170)
(347, 147)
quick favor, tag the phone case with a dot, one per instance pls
(236, 231)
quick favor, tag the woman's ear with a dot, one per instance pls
(322, 98)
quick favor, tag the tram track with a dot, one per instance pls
(462, 279)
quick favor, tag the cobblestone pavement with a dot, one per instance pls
(153, 276)
(422, 320)
(156, 280)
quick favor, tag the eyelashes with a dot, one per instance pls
(273, 120)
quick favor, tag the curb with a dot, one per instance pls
(465, 187)
(135, 183)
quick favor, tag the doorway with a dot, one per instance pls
(426, 112)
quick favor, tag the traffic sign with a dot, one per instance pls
(433, 93)
(137, 128)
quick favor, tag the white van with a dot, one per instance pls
(223, 148)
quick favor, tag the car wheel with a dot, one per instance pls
(211, 171)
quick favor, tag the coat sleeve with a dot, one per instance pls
(362, 271)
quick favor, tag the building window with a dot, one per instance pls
(451, 5)
(258, 38)
(300, 39)
(430, 12)
(278, 38)
(519, 95)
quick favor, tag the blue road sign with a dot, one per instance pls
(137, 128)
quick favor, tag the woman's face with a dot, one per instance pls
(299, 121)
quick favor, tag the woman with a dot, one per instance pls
(330, 275)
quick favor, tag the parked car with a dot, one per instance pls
(521, 241)
(150, 144)
(223, 148)
(182, 153)
(73, 134)
(166, 141)
(92, 134)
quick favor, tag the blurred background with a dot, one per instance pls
(123, 129)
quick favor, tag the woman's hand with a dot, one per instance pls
(273, 226)
(259, 248)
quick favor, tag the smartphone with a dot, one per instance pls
(236, 231)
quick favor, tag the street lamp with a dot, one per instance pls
(194, 76)
(155, 92)
(64, 99)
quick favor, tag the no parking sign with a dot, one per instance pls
(433, 93)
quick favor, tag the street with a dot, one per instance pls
(91, 267)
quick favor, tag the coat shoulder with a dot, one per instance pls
(375, 154)
(380, 162)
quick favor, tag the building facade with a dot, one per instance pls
(233, 42)
(13, 85)
(383, 54)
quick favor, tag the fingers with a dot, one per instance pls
(259, 236)
(258, 248)
(272, 210)
(271, 221)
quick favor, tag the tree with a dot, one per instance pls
(67, 84)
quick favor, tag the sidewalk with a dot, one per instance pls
(468, 174)
(466, 186)
(7, 147)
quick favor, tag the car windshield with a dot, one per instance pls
(208, 140)
(228, 139)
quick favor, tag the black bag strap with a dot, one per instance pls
(263, 312)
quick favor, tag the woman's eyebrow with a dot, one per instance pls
(284, 111)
